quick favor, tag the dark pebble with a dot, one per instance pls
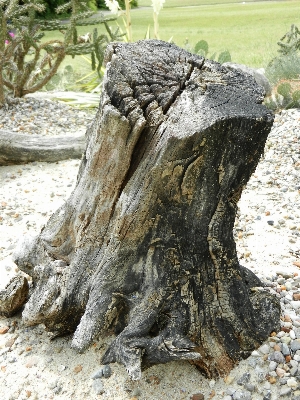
(245, 378)
(278, 357)
(283, 381)
(250, 387)
(106, 371)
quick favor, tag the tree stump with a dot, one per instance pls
(144, 248)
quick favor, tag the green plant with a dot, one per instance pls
(285, 95)
(62, 80)
(89, 83)
(283, 67)
(290, 42)
(283, 72)
(27, 61)
(50, 7)
(287, 64)
(202, 48)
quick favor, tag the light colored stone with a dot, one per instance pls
(292, 335)
(294, 363)
(267, 385)
(286, 339)
(295, 304)
(295, 345)
(280, 372)
(265, 349)
(272, 365)
(285, 349)
(293, 371)
(285, 390)
(292, 382)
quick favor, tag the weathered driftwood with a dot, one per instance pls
(14, 291)
(144, 246)
(18, 148)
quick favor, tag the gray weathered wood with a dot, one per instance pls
(144, 245)
(14, 291)
(18, 148)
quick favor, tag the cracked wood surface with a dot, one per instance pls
(144, 248)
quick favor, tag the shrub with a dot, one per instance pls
(26, 63)
(286, 94)
(283, 72)
(202, 49)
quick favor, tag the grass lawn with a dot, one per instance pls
(249, 30)
(186, 3)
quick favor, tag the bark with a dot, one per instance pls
(20, 148)
(144, 246)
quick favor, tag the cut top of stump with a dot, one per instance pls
(151, 76)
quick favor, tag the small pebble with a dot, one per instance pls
(244, 379)
(97, 374)
(198, 396)
(98, 386)
(106, 371)
(285, 390)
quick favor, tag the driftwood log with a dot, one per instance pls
(144, 248)
(16, 148)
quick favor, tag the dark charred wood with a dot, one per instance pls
(144, 245)
(18, 148)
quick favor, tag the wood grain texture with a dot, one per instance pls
(18, 148)
(145, 239)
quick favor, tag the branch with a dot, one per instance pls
(48, 76)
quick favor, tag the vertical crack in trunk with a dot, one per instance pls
(147, 232)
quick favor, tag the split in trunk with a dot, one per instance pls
(144, 245)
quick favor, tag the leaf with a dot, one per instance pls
(224, 57)
(284, 89)
(93, 61)
(201, 47)
(147, 34)
(296, 95)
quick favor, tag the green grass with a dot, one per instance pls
(249, 31)
(191, 3)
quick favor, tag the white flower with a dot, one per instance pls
(113, 5)
(157, 5)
